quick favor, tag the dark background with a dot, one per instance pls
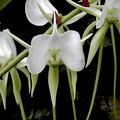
(13, 17)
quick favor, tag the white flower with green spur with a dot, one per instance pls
(55, 49)
(110, 12)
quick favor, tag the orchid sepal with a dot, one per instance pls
(74, 82)
(53, 80)
(16, 90)
(34, 78)
(27, 74)
(88, 29)
(96, 41)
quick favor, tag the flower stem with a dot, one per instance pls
(14, 62)
(115, 69)
(54, 112)
(96, 79)
(22, 108)
(72, 95)
(70, 15)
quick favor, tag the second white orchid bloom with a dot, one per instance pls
(110, 10)
(7, 51)
(55, 49)
(34, 14)
(7, 48)
(7, 54)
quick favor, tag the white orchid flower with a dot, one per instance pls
(34, 14)
(7, 53)
(110, 10)
(54, 49)
(7, 47)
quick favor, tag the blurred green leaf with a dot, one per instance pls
(3, 3)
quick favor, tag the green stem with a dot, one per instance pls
(22, 108)
(54, 112)
(14, 62)
(96, 79)
(72, 95)
(115, 68)
(70, 15)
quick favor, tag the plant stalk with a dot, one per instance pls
(96, 79)
(115, 69)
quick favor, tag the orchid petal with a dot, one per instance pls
(27, 74)
(38, 54)
(7, 46)
(117, 12)
(71, 52)
(108, 6)
(34, 14)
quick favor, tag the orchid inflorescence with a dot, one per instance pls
(56, 47)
